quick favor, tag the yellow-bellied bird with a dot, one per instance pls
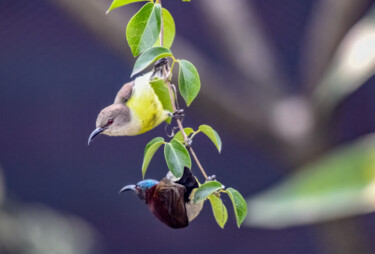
(136, 109)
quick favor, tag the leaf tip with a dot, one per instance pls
(133, 73)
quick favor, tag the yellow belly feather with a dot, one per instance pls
(145, 106)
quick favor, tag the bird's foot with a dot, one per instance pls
(178, 114)
(161, 67)
(173, 129)
(188, 143)
(161, 62)
(211, 178)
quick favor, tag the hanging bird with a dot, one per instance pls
(136, 108)
(170, 201)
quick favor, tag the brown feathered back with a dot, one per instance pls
(166, 202)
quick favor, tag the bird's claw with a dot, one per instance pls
(161, 62)
(158, 68)
(188, 143)
(178, 114)
(211, 178)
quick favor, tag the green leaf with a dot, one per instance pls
(144, 28)
(161, 90)
(206, 189)
(219, 210)
(150, 150)
(211, 134)
(185, 0)
(239, 205)
(177, 157)
(178, 136)
(148, 57)
(188, 81)
(118, 3)
(351, 66)
(169, 30)
(337, 185)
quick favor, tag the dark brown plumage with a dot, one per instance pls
(166, 202)
(169, 201)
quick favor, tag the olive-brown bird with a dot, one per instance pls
(135, 110)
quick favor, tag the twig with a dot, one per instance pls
(172, 96)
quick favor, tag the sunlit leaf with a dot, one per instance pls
(177, 157)
(169, 30)
(211, 134)
(219, 210)
(340, 184)
(118, 3)
(144, 28)
(178, 136)
(188, 81)
(206, 189)
(352, 65)
(148, 57)
(150, 150)
(239, 205)
(161, 90)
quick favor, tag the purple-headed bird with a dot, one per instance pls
(170, 201)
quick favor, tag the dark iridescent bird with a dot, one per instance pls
(170, 201)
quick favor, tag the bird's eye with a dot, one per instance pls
(110, 121)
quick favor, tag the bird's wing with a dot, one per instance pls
(168, 204)
(124, 94)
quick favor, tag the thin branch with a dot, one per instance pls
(172, 96)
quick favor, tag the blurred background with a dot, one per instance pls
(288, 85)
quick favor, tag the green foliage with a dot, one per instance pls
(148, 57)
(162, 92)
(144, 28)
(118, 3)
(177, 157)
(169, 30)
(211, 134)
(150, 150)
(239, 205)
(339, 184)
(178, 136)
(219, 210)
(188, 81)
(206, 189)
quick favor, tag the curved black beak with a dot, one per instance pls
(95, 133)
(127, 187)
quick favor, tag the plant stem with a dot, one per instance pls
(172, 96)
(161, 26)
(198, 163)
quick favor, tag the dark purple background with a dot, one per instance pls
(55, 77)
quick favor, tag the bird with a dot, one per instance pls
(135, 110)
(169, 200)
